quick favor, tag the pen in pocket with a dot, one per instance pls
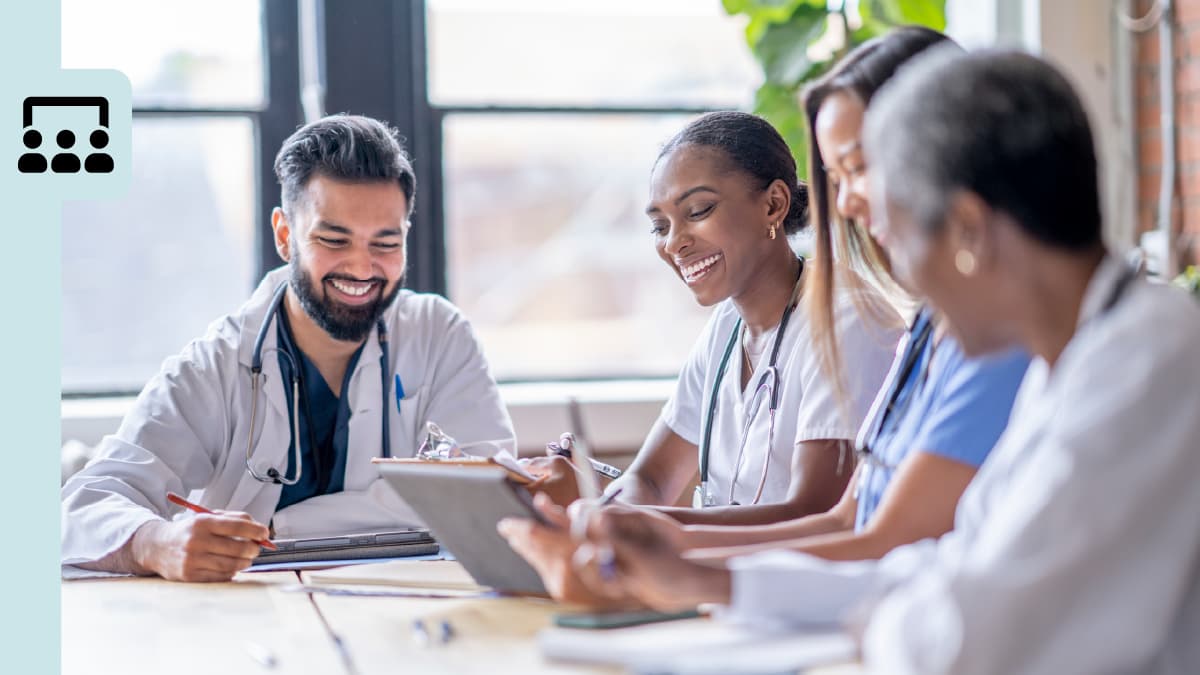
(399, 392)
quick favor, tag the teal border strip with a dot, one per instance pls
(30, 340)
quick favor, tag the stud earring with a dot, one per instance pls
(964, 262)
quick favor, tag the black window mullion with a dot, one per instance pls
(279, 118)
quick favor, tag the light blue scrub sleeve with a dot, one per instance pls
(973, 404)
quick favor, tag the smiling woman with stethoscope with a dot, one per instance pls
(754, 413)
(753, 410)
(724, 196)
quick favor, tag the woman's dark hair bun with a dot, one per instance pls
(754, 147)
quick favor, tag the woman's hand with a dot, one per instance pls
(557, 478)
(549, 549)
(626, 556)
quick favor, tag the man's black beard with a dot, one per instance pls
(341, 321)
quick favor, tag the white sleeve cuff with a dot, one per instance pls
(785, 588)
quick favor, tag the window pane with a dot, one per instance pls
(146, 273)
(176, 53)
(582, 52)
(549, 249)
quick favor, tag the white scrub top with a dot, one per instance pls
(1076, 547)
(187, 431)
(808, 404)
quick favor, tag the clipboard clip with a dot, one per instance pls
(438, 445)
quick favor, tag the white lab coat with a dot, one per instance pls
(1076, 549)
(187, 432)
(809, 408)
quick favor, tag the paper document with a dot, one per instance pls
(431, 574)
(505, 459)
(697, 646)
(779, 654)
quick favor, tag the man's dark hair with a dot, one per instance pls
(343, 147)
(1004, 125)
(753, 147)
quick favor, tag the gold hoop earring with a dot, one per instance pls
(771, 234)
(964, 262)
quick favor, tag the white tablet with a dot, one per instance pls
(461, 506)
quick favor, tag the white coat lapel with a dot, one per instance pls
(365, 430)
(272, 424)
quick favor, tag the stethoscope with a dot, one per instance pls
(769, 383)
(273, 475)
(902, 369)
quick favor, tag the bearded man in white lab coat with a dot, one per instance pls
(337, 340)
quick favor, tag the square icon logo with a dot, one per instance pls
(74, 138)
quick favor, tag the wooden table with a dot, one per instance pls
(253, 625)
(144, 625)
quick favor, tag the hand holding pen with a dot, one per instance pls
(650, 569)
(196, 508)
(213, 546)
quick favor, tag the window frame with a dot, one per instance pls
(272, 122)
(387, 79)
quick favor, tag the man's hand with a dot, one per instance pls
(204, 548)
(549, 550)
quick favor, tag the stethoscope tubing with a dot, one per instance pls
(706, 441)
(273, 475)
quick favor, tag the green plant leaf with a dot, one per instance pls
(871, 28)
(780, 33)
(783, 48)
(733, 7)
(763, 13)
(779, 106)
(931, 13)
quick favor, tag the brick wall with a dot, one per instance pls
(1186, 211)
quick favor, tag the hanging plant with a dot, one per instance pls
(797, 40)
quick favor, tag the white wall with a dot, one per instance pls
(1084, 39)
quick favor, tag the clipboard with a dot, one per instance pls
(469, 462)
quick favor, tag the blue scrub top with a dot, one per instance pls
(324, 424)
(956, 408)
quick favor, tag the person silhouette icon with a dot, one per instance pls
(32, 162)
(98, 162)
(65, 162)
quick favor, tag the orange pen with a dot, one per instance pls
(176, 499)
